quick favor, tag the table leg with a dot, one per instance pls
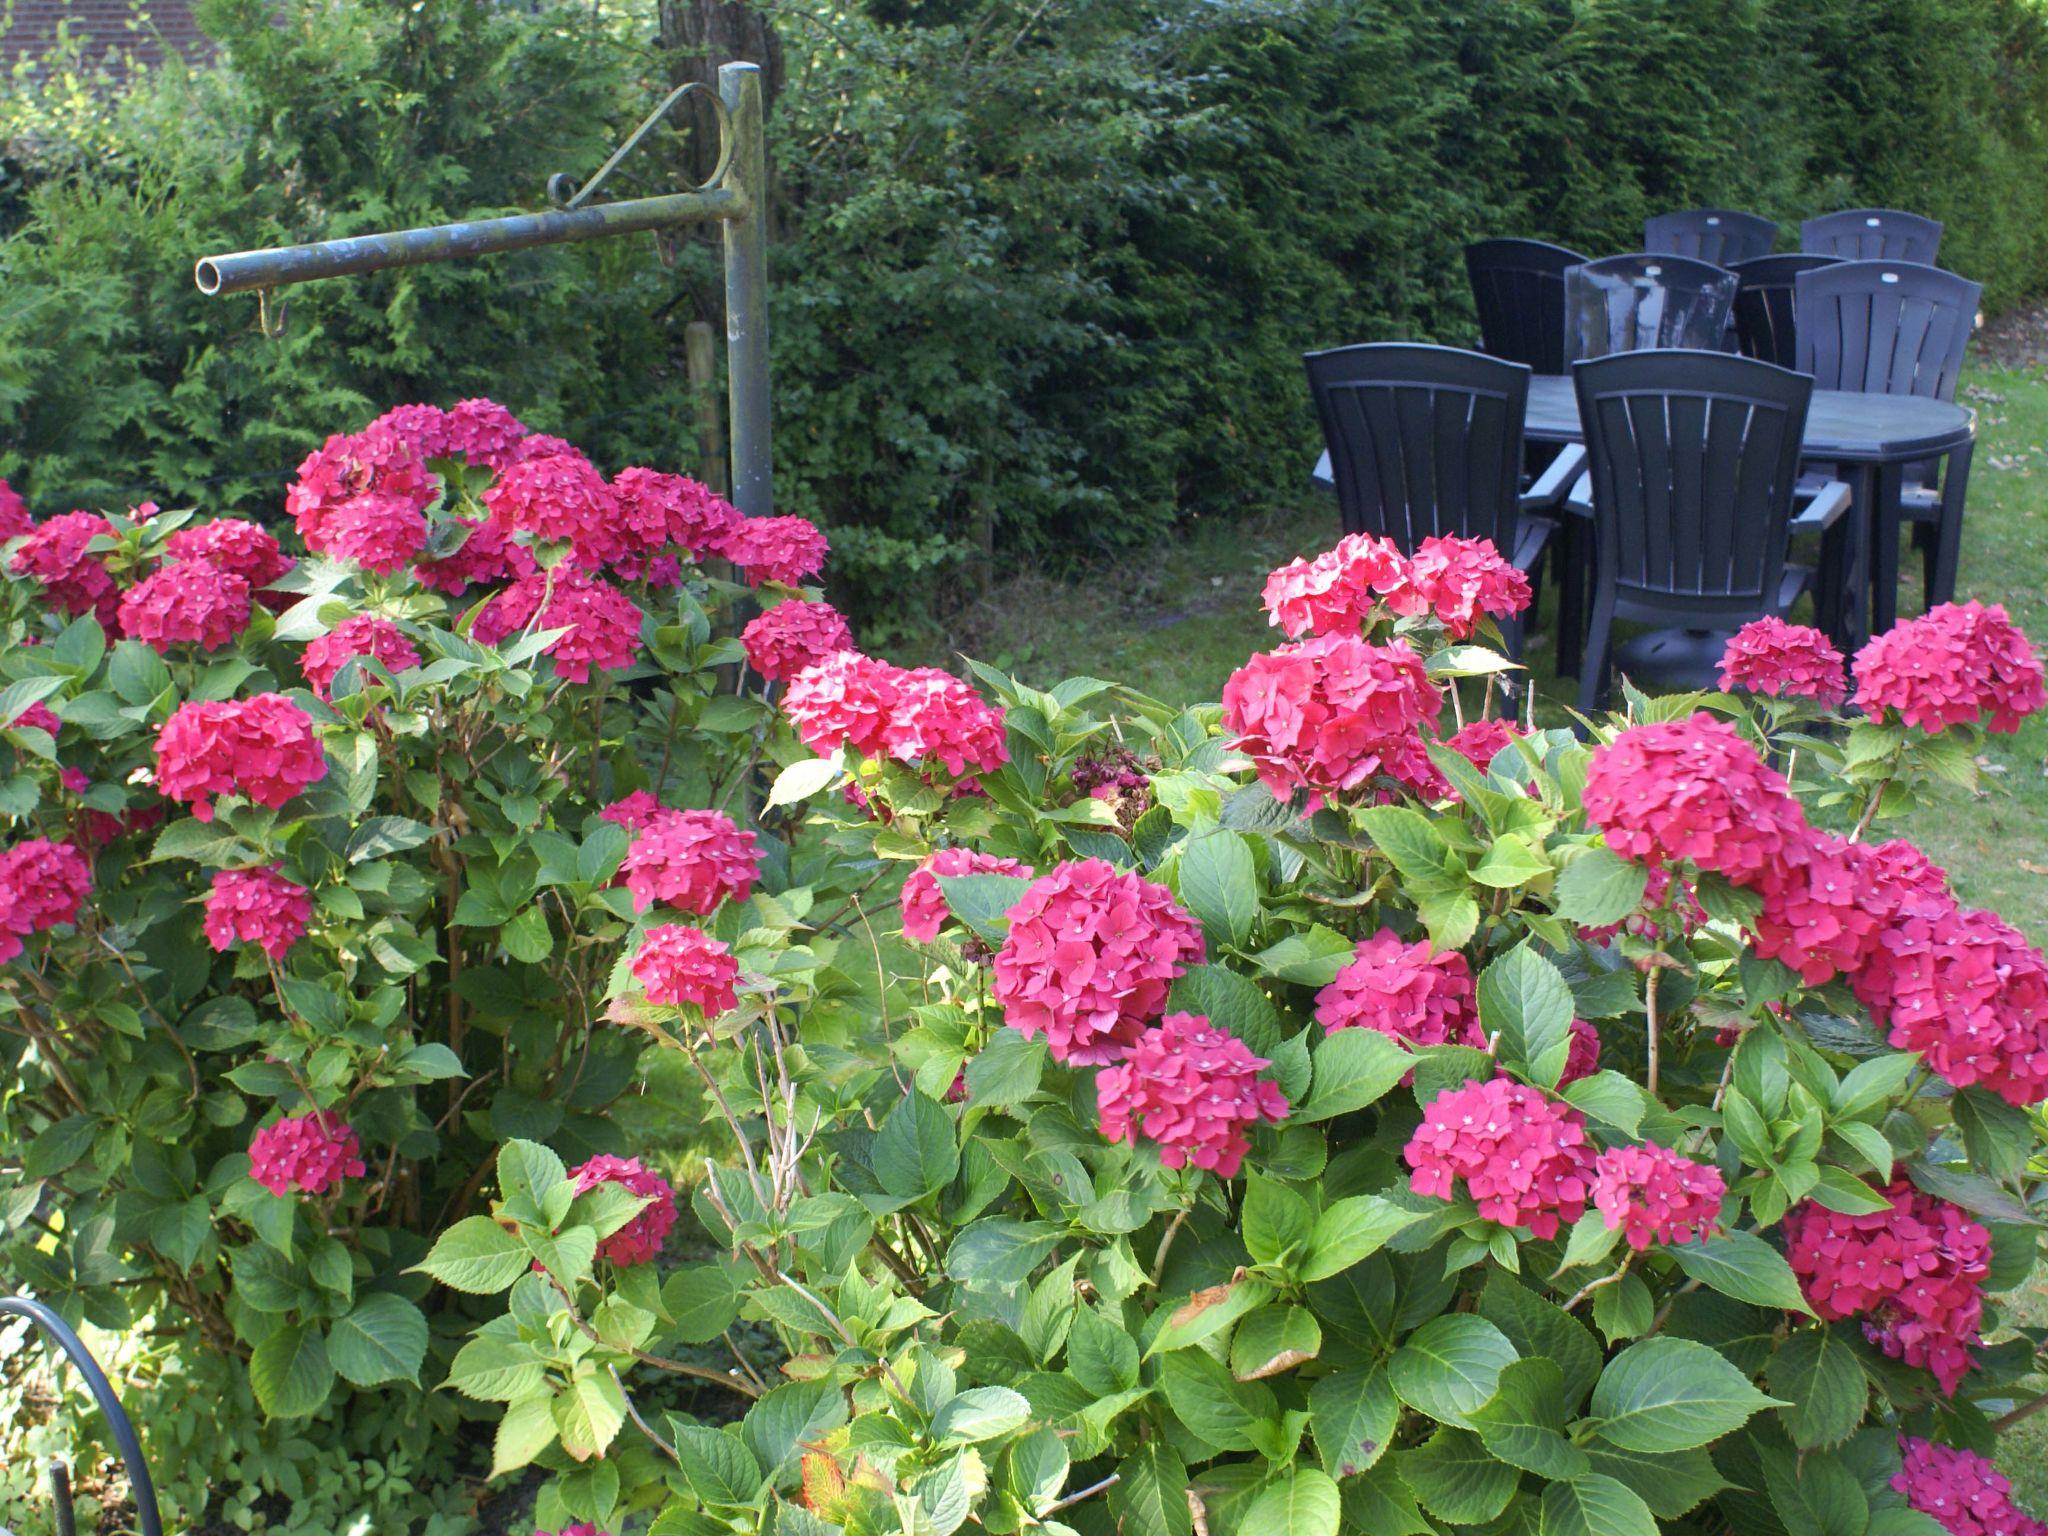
(1845, 562)
(1884, 534)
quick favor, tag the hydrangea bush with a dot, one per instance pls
(1350, 1107)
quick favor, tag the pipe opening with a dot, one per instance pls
(207, 275)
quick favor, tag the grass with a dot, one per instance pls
(1178, 625)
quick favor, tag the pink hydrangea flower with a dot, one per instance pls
(603, 623)
(1334, 593)
(1460, 580)
(42, 718)
(363, 635)
(666, 510)
(1695, 790)
(263, 747)
(844, 701)
(1816, 918)
(42, 884)
(487, 554)
(678, 965)
(1954, 664)
(1522, 1157)
(792, 636)
(1785, 661)
(788, 550)
(1966, 990)
(14, 517)
(1582, 1056)
(1192, 1088)
(1479, 742)
(308, 1152)
(1407, 991)
(190, 603)
(924, 905)
(357, 464)
(1089, 958)
(580, 1528)
(378, 530)
(691, 860)
(939, 719)
(634, 811)
(231, 544)
(74, 577)
(1328, 713)
(478, 431)
(1960, 1491)
(1654, 1195)
(562, 499)
(1914, 1273)
(257, 906)
(639, 1240)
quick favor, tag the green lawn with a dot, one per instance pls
(1177, 626)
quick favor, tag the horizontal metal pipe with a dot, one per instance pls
(245, 270)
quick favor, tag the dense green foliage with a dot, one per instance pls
(1042, 271)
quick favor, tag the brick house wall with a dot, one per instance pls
(107, 31)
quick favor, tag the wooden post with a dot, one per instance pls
(701, 350)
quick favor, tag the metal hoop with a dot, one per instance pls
(564, 192)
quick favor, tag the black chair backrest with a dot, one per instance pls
(1872, 234)
(1629, 303)
(1765, 313)
(1693, 457)
(1423, 440)
(1722, 236)
(1518, 289)
(1885, 327)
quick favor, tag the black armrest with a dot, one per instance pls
(1830, 501)
(1550, 486)
(1580, 502)
(1320, 477)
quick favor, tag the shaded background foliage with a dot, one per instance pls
(1042, 272)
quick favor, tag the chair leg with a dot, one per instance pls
(1570, 564)
(1884, 565)
(1947, 545)
(1595, 660)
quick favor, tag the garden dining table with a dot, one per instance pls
(1867, 439)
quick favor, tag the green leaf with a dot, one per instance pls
(1407, 838)
(1208, 1312)
(1819, 1375)
(137, 673)
(1000, 1250)
(1840, 1190)
(1814, 1494)
(1221, 1411)
(1524, 1000)
(1742, 1265)
(1450, 1366)
(1457, 1478)
(1524, 1423)
(383, 1339)
(1600, 888)
(704, 1300)
(1150, 1495)
(57, 1147)
(1351, 1229)
(1609, 1098)
(1509, 863)
(1353, 1413)
(380, 835)
(1311, 958)
(1671, 1395)
(980, 1413)
(1540, 1328)
(1230, 1001)
(589, 1412)
(527, 938)
(805, 778)
(527, 1429)
(1276, 1221)
(1272, 1341)
(290, 1373)
(1302, 1502)
(492, 1369)
(1353, 1068)
(1870, 1083)
(915, 1152)
(1624, 1310)
(983, 902)
(1671, 1485)
(788, 1418)
(1101, 1355)
(1219, 884)
(527, 1173)
(1005, 1071)
(476, 1256)
(1593, 1505)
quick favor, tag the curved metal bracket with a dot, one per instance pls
(148, 1520)
(565, 193)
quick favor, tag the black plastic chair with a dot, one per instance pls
(1896, 328)
(1427, 440)
(1721, 236)
(1518, 290)
(1631, 303)
(1693, 457)
(1765, 313)
(1872, 234)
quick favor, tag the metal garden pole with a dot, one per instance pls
(736, 195)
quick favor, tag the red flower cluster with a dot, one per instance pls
(1523, 1158)
(1582, 1055)
(1192, 1088)
(603, 623)
(1966, 990)
(690, 860)
(678, 965)
(1329, 713)
(1479, 742)
(374, 462)
(914, 715)
(190, 603)
(1404, 990)
(263, 747)
(58, 554)
(42, 884)
(1089, 958)
(634, 811)
(792, 636)
(1955, 663)
(924, 905)
(1460, 580)
(1334, 593)
(1785, 661)
(1960, 1491)
(363, 635)
(1693, 789)
(788, 550)
(562, 499)
(479, 431)
(378, 530)
(639, 1240)
(1816, 916)
(487, 553)
(1915, 1273)
(580, 1528)
(664, 510)
(1656, 1196)
(14, 518)
(42, 718)
(308, 1152)
(257, 906)
(231, 544)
